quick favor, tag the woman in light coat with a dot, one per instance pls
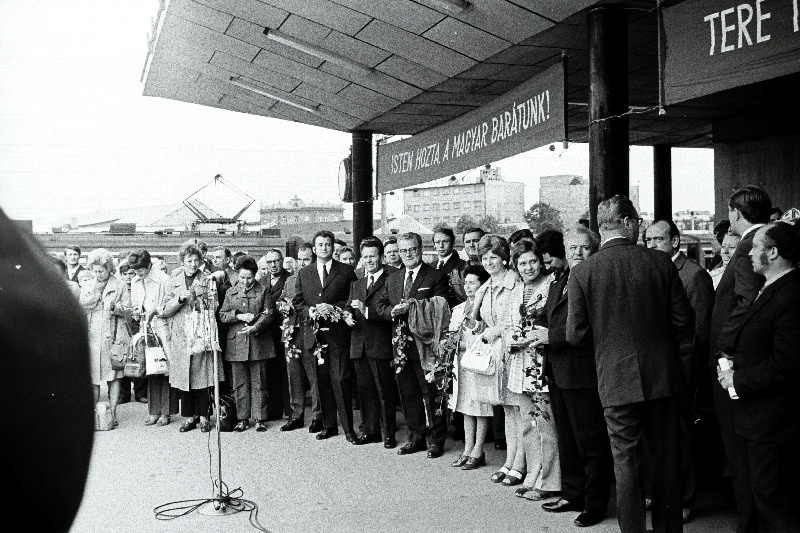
(249, 310)
(189, 311)
(98, 297)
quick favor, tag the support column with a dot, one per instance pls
(362, 186)
(662, 181)
(608, 96)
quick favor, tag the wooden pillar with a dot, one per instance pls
(662, 181)
(608, 97)
(362, 186)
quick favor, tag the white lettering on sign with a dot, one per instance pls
(402, 162)
(724, 23)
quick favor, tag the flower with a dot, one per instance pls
(535, 380)
(442, 373)
(329, 313)
(287, 329)
(400, 339)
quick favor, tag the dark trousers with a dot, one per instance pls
(302, 376)
(196, 402)
(584, 448)
(498, 423)
(250, 389)
(139, 388)
(278, 401)
(773, 471)
(418, 397)
(376, 389)
(736, 452)
(162, 399)
(628, 426)
(335, 394)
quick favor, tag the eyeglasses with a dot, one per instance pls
(407, 251)
(272, 262)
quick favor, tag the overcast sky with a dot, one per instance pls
(78, 136)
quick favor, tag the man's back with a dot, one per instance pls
(632, 300)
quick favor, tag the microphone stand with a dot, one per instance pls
(220, 504)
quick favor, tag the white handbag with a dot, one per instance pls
(481, 357)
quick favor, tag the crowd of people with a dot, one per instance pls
(583, 356)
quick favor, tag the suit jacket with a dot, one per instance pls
(452, 269)
(766, 364)
(371, 336)
(630, 300)
(310, 292)
(428, 283)
(737, 288)
(700, 291)
(573, 367)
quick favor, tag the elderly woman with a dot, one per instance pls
(249, 310)
(188, 308)
(477, 415)
(98, 298)
(493, 312)
(536, 429)
(728, 246)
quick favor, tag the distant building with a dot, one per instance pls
(296, 211)
(694, 221)
(486, 195)
(569, 194)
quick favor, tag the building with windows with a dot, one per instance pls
(296, 211)
(449, 199)
(569, 194)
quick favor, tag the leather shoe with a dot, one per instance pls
(389, 443)
(188, 425)
(292, 424)
(152, 420)
(261, 425)
(411, 447)
(474, 462)
(434, 451)
(205, 427)
(367, 439)
(459, 461)
(241, 426)
(559, 506)
(589, 518)
(351, 436)
(315, 427)
(327, 433)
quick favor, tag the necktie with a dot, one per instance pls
(369, 283)
(407, 287)
(440, 265)
(324, 275)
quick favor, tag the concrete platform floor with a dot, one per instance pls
(303, 485)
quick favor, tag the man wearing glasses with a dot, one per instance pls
(629, 301)
(419, 281)
(274, 279)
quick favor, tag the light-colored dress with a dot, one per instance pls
(464, 386)
(96, 303)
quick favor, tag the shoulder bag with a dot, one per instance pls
(481, 357)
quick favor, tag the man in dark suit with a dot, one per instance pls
(321, 286)
(766, 368)
(419, 281)
(631, 302)
(663, 235)
(274, 277)
(449, 264)
(748, 210)
(583, 446)
(371, 349)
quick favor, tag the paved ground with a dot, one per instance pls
(302, 485)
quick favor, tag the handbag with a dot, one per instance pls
(103, 418)
(156, 359)
(481, 357)
(119, 350)
(226, 418)
(135, 362)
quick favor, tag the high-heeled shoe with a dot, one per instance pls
(513, 478)
(474, 462)
(500, 475)
(459, 461)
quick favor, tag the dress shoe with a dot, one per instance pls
(188, 425)
(164, 420)
(261, 426)
(411, 447)
(559, 506)
(435, 451)
(389, 443)
(292, 424)
(350, 436)
(241, 426)
(327, 433)
(367, 439)
(152, 420)
(459, 461)
(589, 518)
(500, 444)
(315, 427)
(205, 427)
(474, 462)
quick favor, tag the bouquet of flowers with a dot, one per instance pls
(534, 372)
(288, 326)
(442, 373)
(329, 313)
(400, 340)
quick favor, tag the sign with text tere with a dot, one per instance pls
(714, 45)
(526, 117)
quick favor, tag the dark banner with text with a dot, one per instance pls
(524, 118)
(714, 45)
